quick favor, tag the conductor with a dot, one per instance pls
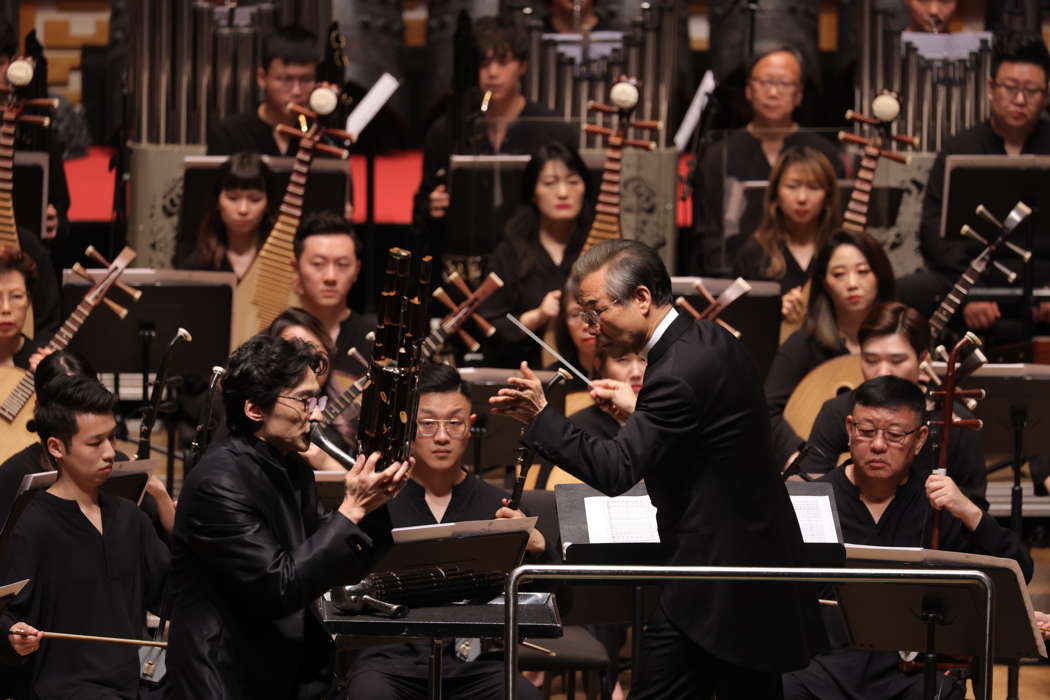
(699, 436)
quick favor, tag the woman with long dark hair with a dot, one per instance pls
(238, 221)
(541, 242)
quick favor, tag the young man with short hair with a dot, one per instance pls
(441, 491)
(94, 562)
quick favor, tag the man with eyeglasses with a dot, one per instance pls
(441, 491)
(1016, 125)
(253, 548)
(775, 85)
(287, 73)
(885, 497)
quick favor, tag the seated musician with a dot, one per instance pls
(542, 240)
(893, 341)
(850, 274)
(1017, 98)
(885, 497)
(800, 210)
(327, 262)
(94, 563)
(253, 548)
(561, 17)
(296, 323)
(774, 89)
(511, 124)
(930, 15)
(17, 276)
(441, 490)
(34, 459)
(572, 339)
(234, 227)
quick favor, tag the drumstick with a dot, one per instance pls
(548, 348)
(93, 638)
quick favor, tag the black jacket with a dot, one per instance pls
(253, 550)
(700, 438)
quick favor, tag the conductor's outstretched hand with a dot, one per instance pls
(367, 489)
(523, 400)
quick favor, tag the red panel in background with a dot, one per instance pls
(91, 185)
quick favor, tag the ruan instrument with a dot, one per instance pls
(266, 288)
(202, 434)
(393, 593)
(151, 410)
(388, 405)
(957, 296)
(944, 396)
(94, 638)
(715, 307)
(624, 95)
(17, 384)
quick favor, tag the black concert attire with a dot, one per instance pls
(253, 550)
(751, 263)
(738, 157)
(594, 421)
(853, 674)
(528, 275)
(193, 262)
(534, 127)
(945, 259)
(401, 671)
(352, 332)
(700, 438)
(29, 345)
(828, 439)
(82, 581)
(795, 358)
(245, 133)
(44, 291)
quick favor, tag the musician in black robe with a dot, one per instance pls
(699, 435)
(94, 563)
(885, 497)
(253, 547)
(441, 491)
(894, 340)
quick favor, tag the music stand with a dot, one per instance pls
(30, 182)
(328, 187)
(756, 315)
(484, 190)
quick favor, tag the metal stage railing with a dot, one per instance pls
(968, 577)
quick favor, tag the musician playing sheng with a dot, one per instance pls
(94, 562)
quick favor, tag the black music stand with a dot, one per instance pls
(30, 181)
(484, 190)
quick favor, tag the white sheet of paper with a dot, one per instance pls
(815, 518)
(421, 533)
(620, 519)
(370, 104)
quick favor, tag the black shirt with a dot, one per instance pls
(740, 157)
(828, 439)
(751, 263)
(524, 286)
(44, 290)
(795, 357)
(29, 346)
(950, 256)
(352, 332)
(83, 582)
(245, 132)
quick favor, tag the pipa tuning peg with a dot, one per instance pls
(982, 211)
(135, 294)
(79, 271)
(1006, 272)
(941, 353)
(116, 308)
(1019, 213)
(968, 232)
(1022, 253)
(92, 253)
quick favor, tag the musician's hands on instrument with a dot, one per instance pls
(523, 400)
(979, 315)
(944, 494)
(24, 645)
(1041, 312)
(615, 398)
(1042, 620)
(793, 305)
(367, 489)
(439, 202)
(537, 542)
(37, 356)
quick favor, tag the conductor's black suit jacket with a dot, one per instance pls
(699, 437)
(253, 550)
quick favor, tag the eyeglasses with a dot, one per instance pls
(1012, 90)
(308, 404)
(454, 427)
(288, 80)
(768, 84)
(893, 437)
(591, 317)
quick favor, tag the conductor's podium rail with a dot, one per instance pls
(1032, 506)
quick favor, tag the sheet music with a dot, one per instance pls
(370, 104)
(815, 518)
(621, 519)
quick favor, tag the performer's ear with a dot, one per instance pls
(56, 448)
(253, 411)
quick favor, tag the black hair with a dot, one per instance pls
(64, 398)
(890, 392)
(8, 39)
(522, 228)
(58, 364)
(291, 44)
(631, 264)
(241, 171)
(294, 316)
(437, 378)
(259, 370)
(1020, 47)
(499, 38)
(323, 222)
(764, 49)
